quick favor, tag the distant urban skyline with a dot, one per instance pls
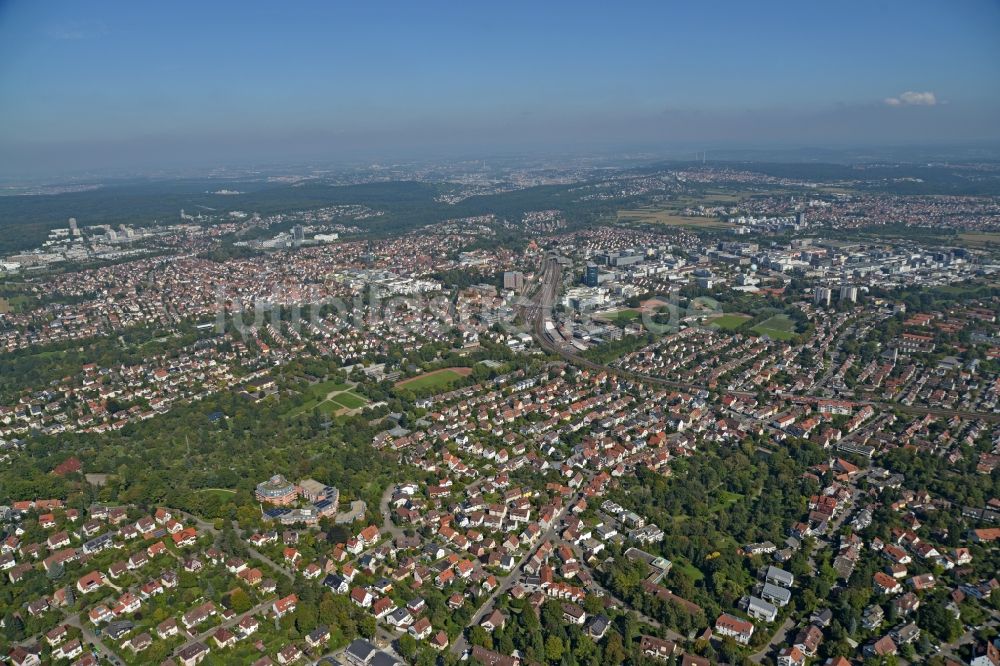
(113, 84)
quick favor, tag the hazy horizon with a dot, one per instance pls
(107, 85)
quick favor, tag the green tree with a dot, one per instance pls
(328, 611)
(614, 650)
(240, 601)
(367, 626)
(554, 649)
(478, 636)
(13, 627)
(408, 647)
(593, 604)
(937, 619)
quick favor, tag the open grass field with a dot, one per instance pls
(726, 499)
(16, 303)
(222, 494)
(623, 316)
(670, 218)
(692, 572)
(714, 197)
(962, 289)
(322, 389)
(729, 322)
(778, 327)
(436, 379)
(980, 239)
(349, 400)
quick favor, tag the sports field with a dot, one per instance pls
(436, 379)
(729, 322)
(778, 327)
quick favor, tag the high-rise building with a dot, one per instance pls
(849, 293)
(592, 276)
(513, 280)
(822, 296)
(298, 233)
(73, 229)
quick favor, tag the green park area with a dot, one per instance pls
(330, 397)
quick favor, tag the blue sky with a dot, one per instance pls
(125, 81)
